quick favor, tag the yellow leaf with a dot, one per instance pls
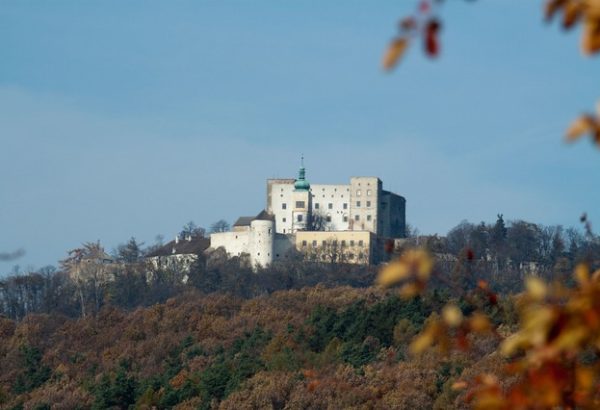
(459, 385)
(394, 52)
(582, 274)
(452, 315)
(585, 378)
(392, 273)
(580, 126)
(570, 338)
(410, 290)
(511, 344)
(422, 342)
(536, 288)
(479, 322)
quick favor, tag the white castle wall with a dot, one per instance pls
(235, 243)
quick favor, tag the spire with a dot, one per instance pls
(302, 172)
(301, 183)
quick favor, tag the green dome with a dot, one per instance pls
(301, 183)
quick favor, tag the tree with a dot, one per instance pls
(220, 226)
(524, 242)
(130, 252)
(88, 267)
(318, 222)
(191, 229)
(459, 237)
(498, 235)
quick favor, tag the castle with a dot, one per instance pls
(347, 223)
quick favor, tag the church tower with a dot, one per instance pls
(301, 201)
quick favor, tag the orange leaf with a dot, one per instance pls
(572, 13)
(394, 52)
(580, 126)
(552, 6)
(590, 41)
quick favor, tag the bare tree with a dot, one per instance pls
(220, 226)
(319, 222)
(88, 268)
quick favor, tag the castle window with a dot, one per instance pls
(368, 217)
(345, 218)
(328, 218)
(368, 204)
(352, 242)
(368, 192)
(357, 217)
(334, 242)
(358, 192)
(316, 205)
(314, 244)
(284, 206)
(284, 219)
(299, 218)
(304, 243)
(269, 230)
(358, 204)
(330, 205)
(361, 243)
(324, 243)
(345, 206)
(300, 204)
(343, 243)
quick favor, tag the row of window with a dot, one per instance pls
(334, 243)
(325, 257)
(302, 205)
(300, 218)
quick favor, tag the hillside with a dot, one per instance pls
(307, 348)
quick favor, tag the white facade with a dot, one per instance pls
(258, 241)
(293, 205)
(361, 205)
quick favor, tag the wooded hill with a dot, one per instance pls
(311, 348)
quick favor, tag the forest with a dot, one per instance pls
(293, 335)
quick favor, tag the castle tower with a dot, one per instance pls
(262, 234)
(301, 201)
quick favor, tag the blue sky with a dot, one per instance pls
(122, 119)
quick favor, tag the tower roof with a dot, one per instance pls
(301, 183)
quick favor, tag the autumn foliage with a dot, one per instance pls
(550, 358)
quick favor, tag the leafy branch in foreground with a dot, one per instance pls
(552, 355)
(425, 26)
